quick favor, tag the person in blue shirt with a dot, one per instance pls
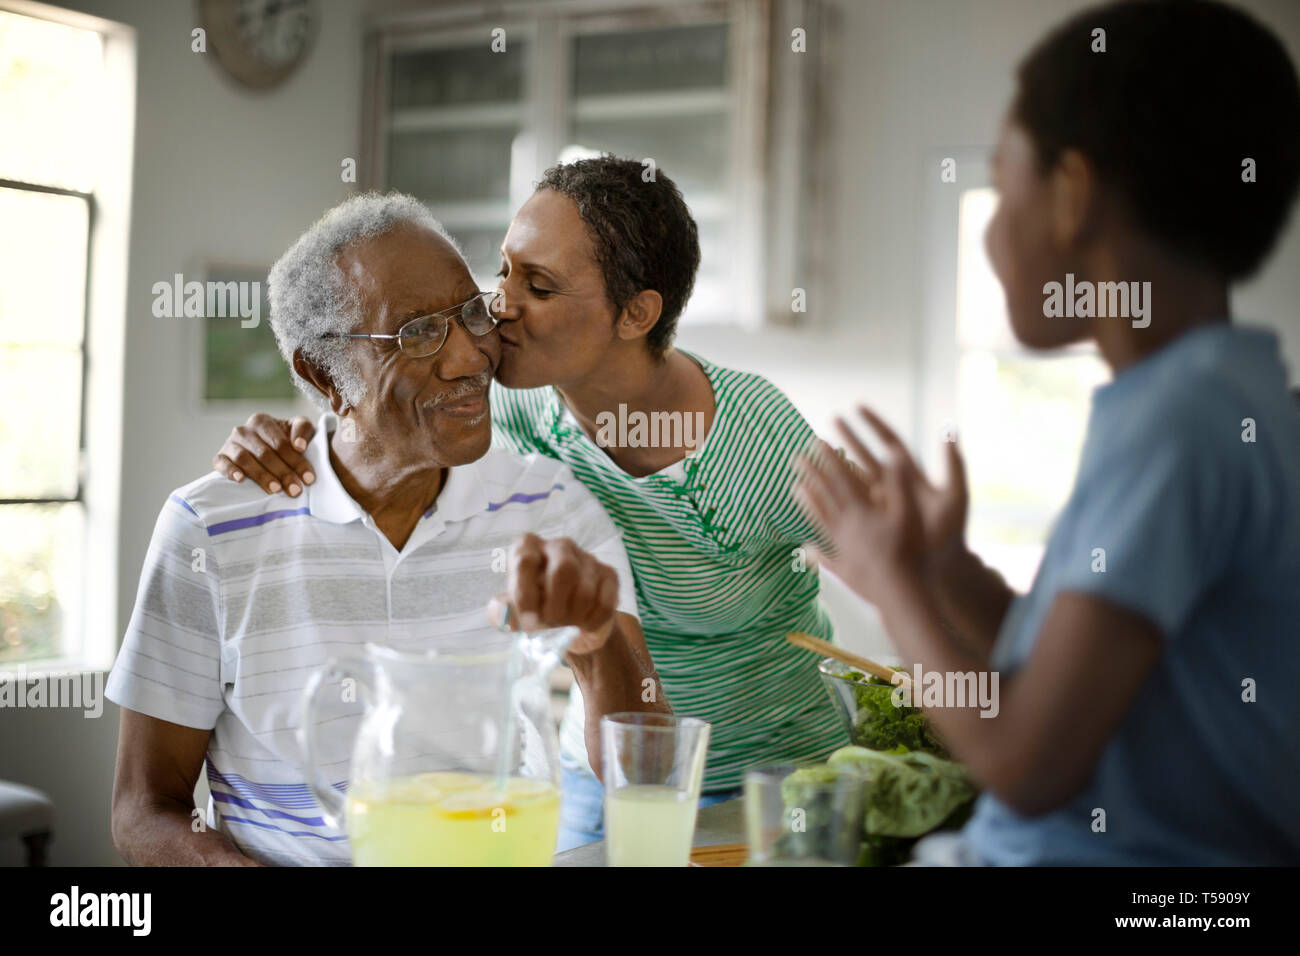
(1148, 707)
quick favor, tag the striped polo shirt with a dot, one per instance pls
(244, 595)
(713, 543)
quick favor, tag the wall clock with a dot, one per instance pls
(260, 42)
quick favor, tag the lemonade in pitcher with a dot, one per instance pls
(453, 819)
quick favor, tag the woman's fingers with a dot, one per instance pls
(956, 470)
(844, 479)
(897, 485)
(897, 449)
(261, 462)
(243, 464)
(895, 444)
(812, 495)
(861, 454)
(881, 428)
(226, 468)
(277, 435)
(301, 431)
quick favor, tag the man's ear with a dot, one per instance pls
(640, 315)
(1075, 195)
(318, 379)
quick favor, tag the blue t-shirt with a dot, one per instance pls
(1200, 529)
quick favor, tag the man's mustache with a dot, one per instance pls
(464, 388)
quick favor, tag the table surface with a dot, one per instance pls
(714, 825)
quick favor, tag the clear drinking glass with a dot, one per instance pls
(803, 819)
(653, 768)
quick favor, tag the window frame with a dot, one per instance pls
(549, 27)
(89, 199)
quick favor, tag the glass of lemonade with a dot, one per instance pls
(653, 768)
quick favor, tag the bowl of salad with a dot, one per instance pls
(867, 705)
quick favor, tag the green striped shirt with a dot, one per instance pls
(712, 542)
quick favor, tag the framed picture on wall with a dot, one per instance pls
(240, 362)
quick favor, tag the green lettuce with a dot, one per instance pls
(907, 793)
(879, 725)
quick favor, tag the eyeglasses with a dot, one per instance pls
(425, 334)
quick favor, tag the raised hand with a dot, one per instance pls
(881, 518)
(942, 510)
(269, 451)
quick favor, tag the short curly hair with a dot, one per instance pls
(1184, 93)
(311, 297)
(642, 230)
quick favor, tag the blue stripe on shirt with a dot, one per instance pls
(524, 499)
(249, 805)
(237, 524)
(290, 796)
(272, 826)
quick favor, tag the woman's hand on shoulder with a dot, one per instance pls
(269, 451)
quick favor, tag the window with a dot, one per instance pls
(455, 115)
(1020, 416)
(58, 95)
(467, 119)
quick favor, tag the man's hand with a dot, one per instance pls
(269, 451)
(556, 584)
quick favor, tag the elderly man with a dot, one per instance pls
(243, 595)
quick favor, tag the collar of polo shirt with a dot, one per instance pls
(462, 494)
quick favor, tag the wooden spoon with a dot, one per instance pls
(827, 649)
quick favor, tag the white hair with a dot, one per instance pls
(310, 296)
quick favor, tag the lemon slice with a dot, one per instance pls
(402, 791)
(524, 790)
(468, 805)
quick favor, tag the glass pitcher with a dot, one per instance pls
(456, 760)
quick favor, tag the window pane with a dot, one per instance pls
(40, 432)
(691, 150)
(663, 94)
(451, 165)
(1022, 424)
(981, 304)
(49, 102)
(42, 268)
(40, 580)
(482, 251)
(674, 58)
(710, 299)
(457, 76)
